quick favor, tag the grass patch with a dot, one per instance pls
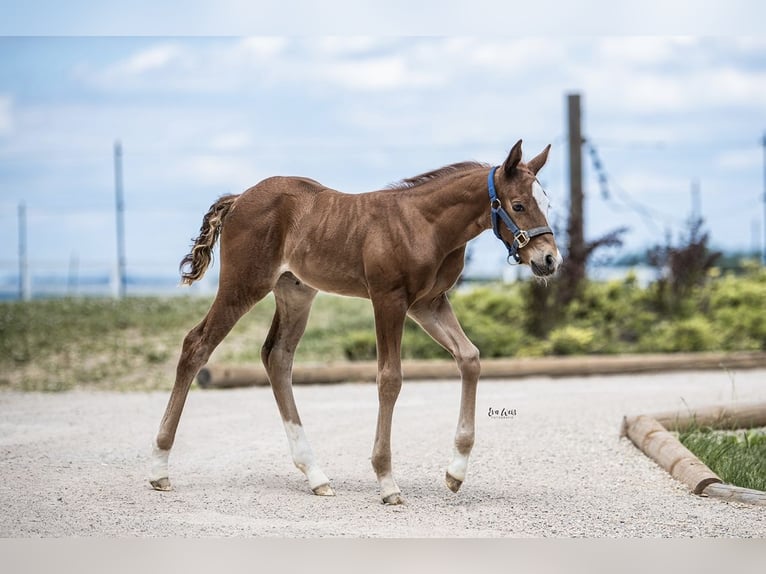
(738, 457)
(133, 343)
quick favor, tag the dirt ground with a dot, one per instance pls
(76, 464)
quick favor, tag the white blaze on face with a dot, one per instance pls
(541, 198)
(544, 203)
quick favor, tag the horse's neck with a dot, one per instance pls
(457, 208)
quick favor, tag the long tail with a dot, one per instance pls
(201, 253)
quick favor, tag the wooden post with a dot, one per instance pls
(220, 376)
(649, 433)
(736, 493)
(573, 271)
(659, 444)
(119, 201)
(25, 293)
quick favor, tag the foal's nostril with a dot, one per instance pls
(550, 261)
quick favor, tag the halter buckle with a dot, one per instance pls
(522, 238)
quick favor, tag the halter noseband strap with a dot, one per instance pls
(520, 236)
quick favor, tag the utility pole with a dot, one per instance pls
(574, 269)
(763, 248)
(24, 284)
(120, 215)
(73, 277)
(696, 201)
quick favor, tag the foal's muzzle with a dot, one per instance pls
(545, 265)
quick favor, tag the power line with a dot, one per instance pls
(648, 214)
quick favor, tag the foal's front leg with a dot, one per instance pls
(389, 324)
(438, 320)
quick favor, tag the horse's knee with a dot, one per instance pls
(469, 363)
(389, 383)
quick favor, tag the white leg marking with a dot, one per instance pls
(159, 462)
(458, 466)
(303, 456)
(388, 486)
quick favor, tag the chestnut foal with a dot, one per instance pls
(402, 248)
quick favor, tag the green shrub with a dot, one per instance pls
(738, 308)
(493, 318)
(359, 345)
(134, 342)
(417, 344)
(571, 340)
(686, 335)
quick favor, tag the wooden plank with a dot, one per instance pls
(227, 376)
(665, 449)
(736, 493)
(734, 416)
(220, 376)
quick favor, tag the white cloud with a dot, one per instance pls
(263, 47)
(642, 51)
(532, 55)
(149, 60)
(654, 185)
(348, 45)
(231, 141)
(234, 174)
(385, 73)
(731, 86)
(749, 158)
(218, 114)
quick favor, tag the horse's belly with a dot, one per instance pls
(330, 279)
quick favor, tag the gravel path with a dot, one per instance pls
(75, 464)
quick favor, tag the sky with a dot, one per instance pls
(199, 117)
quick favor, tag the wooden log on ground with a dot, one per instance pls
(219, 376)
(733, 416)
(736, 493)
(665, 449)
(223, 376)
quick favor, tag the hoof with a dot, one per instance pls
(161, 484)
(453, 483)
(323, 490)
(393, 499)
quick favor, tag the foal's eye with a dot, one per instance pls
(518, 207)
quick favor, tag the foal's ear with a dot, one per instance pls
(537, 162)
(513, 159)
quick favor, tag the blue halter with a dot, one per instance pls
(520, 236)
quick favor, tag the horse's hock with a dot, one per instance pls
(652, 434)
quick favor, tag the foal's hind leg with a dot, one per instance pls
(389, 324)
(293, 300)
(438, 320)
(197, 347)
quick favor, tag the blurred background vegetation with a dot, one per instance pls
(133, 343)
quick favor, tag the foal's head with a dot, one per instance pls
(524, 200)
